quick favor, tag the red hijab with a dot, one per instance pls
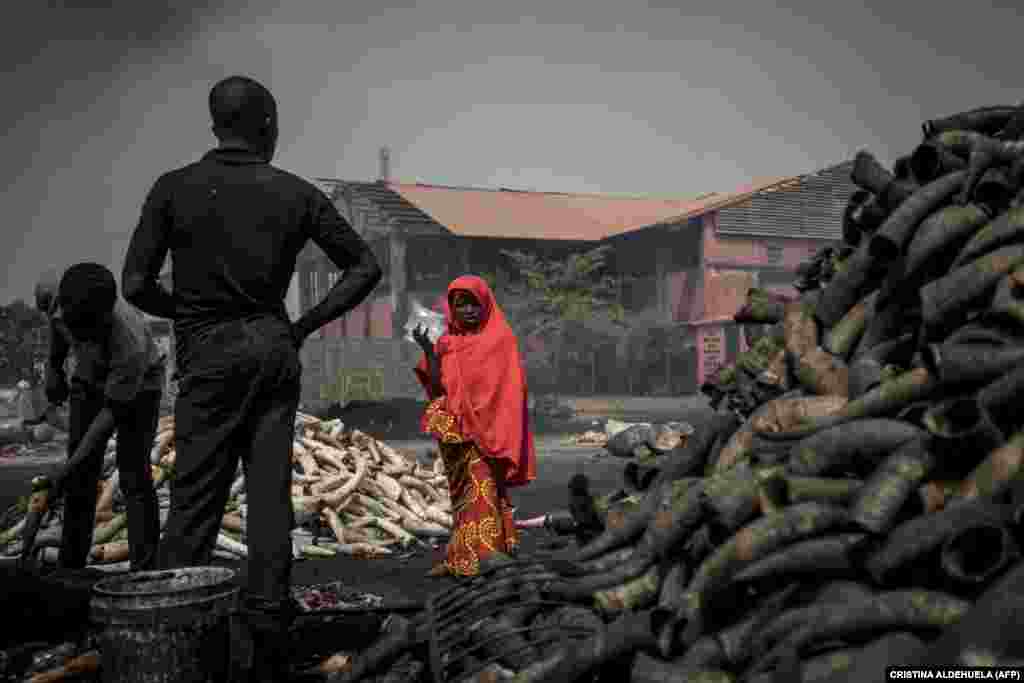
(485, 383)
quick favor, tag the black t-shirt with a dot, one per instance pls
(236, 224)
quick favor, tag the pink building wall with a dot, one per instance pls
(333, 329)
(738, 251)
(730, 266)
(724, 291)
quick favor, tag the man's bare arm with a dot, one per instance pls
(349, 252)
(140, 278)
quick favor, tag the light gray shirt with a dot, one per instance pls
(126, 362)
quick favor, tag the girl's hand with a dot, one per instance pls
(420, 336)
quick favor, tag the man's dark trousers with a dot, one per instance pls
(136, 425)
(238, 394)
(237, 398)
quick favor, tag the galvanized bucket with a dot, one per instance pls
(165, 626)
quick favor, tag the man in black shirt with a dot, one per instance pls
(234, 226)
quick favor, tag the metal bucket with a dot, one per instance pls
(165, 626)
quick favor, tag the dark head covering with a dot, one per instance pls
(87, 289)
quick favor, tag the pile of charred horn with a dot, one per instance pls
(868, 511)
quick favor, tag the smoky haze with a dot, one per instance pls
(571, 95)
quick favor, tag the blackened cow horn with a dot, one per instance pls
(986, 120)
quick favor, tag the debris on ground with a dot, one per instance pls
(854, 503)
(588, 438)
(613, 426)
(47, 663)
(333, 595)
(23, 436)
(550, 406)
(638, 440)
(352, 495)
(36, 435)
(394, 418)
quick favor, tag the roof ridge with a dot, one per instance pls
(391, 187)
(548, 193)
(555, 193)
(774, 181)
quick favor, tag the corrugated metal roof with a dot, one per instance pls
(794, 206)
(714, 201)
(808, 206)
(474, 212)
(393, 206)
(510, 214)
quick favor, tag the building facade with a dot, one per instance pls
(424, 236)
(711, 256)
(684, 267)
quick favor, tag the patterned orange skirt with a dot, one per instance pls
(481, 509)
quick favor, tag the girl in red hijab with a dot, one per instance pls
(478, 413)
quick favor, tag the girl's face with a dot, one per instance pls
(466, 310)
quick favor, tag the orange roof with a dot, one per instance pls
(478, 212)
(475, 212)
(720, 200)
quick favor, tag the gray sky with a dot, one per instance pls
(561, 95)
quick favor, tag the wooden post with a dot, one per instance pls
(629, 366)
(668, 366)
(593, 371)
(464, 251)
(661, 273)
(559, 348)
(397, 242)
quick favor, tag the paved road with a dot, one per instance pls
(405, 579)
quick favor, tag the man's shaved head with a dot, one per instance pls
(242, 108)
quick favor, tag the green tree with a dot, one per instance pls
(549, 293)
(22, 330)
(546, 298)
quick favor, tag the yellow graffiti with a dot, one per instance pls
(353, 385)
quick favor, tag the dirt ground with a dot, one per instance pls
(403, 578)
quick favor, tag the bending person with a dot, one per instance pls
(116, 388)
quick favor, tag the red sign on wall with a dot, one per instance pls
(710, 351)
